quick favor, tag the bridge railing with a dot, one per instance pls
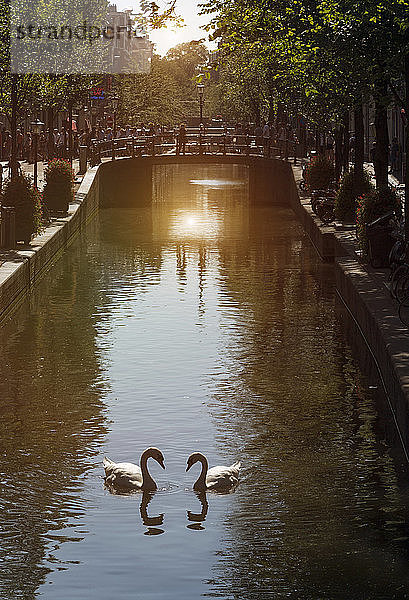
(196, 143)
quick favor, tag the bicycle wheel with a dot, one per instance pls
(402, 272)
(397, 254)
(402, 288)
(325, 212)
(315, 201)
(403, 311)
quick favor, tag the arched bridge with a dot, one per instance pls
(129, 181)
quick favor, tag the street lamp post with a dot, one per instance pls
(115, 102)
(200, 91)
(73, 117)
(36, 127)
(94, 113)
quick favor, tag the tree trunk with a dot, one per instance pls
(271, 112)
(317, 142)
(338, 152)
(50, 142)
(345, 153)
(14, 171)
(381, 162)
(359, 142)
(407, 149)
(280, 114)
(257, 112)
(70, 140)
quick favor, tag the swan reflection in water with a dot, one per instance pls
(196, 519)
(152, 523)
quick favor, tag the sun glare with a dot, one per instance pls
(195, 226)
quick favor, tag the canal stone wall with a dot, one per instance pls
(366, 300)
(126, 182)
(321, 236)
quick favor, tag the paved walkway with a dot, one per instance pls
(41, 166)
(394, 181)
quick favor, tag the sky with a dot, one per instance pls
(167, 38)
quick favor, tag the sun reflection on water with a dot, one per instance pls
(194, 225)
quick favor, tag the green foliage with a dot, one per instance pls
(351, 188)
(371, 206)
(182, 63)
(58, 189)
(42, 53)
(316, 58)
(168, 93)
(240, 88)
(319, 173)
(149, 97)
(156, 17)
(26, 199)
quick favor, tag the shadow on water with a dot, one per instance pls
(322, 514)
(384, 423)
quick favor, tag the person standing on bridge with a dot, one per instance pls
(181, 140)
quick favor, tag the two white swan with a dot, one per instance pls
(128, 476)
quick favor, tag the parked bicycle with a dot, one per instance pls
(398, 264)
(323, 204)
(398, 281)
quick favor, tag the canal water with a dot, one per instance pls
(205, 322)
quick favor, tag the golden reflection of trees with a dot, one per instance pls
(51, 419)
(320, 513)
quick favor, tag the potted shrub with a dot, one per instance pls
(351, 188)
(371, 206)
(59, 185)
(27, 201)
(319, 173)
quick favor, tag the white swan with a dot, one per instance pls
(217, 478)
(131, 477)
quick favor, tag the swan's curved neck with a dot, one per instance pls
(147, 482)
(201, 480)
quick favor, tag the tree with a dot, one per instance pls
(182, 63)
(324, 58)
(239, 87)
(164, 94)
(149, 97)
